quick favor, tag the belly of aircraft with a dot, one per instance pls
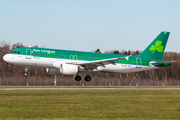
(124, 68)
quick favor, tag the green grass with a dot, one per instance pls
(90, 104)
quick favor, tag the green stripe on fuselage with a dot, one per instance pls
(79, 55)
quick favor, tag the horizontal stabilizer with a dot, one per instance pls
(159, 63)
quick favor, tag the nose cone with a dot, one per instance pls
(6, 57)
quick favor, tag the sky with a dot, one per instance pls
(86, 25)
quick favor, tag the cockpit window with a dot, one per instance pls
(15, 52)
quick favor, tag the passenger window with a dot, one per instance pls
(18, 52)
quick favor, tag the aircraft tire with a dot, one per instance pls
(78, 78)
(25, 74)
(87, 78)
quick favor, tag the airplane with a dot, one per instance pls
(68, 62)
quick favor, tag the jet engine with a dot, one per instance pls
(66, 69)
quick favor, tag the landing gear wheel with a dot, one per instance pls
(78, 78)
(25, 74)
(87, 78)
(26, 70)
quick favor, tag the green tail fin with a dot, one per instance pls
(157, 47)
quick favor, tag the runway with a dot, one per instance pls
(86, 88)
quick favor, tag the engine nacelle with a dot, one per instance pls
(63, 68)
(53, 71)
(68, 69)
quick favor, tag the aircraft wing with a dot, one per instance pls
(94, 64)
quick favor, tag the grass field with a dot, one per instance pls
(90, 104)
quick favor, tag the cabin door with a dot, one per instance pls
(138, 62)
(28, 54)
(73, 57)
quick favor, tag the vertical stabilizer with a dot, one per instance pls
(156, 48)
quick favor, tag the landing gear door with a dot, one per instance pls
(28, 54)
(138, 62)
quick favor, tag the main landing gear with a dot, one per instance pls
(78, 78)
(26, 70)
(87, 77)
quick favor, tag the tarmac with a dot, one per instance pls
(88, 88)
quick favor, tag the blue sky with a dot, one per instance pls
(90, 24)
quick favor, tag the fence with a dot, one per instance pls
(93, 82)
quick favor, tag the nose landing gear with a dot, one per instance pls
(26, 70)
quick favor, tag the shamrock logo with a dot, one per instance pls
(157, 47)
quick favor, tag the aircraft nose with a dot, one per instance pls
(6, 57)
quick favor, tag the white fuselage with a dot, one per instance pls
(49, 63)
